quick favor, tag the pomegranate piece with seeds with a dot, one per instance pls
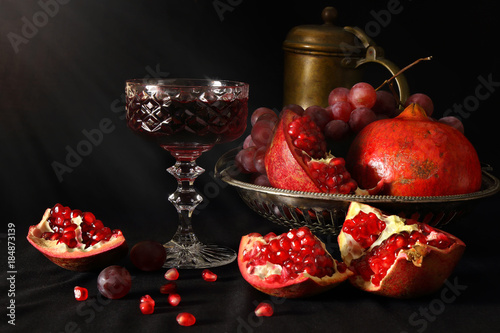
(81, 293)
(76, 240)
(297, 159)
(208, 275)
(264, 309)
(293, 264)
(395, 257)
(185, 319)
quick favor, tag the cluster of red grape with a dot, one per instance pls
(251, 158)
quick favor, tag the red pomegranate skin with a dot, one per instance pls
(285, 169)
(415, 156)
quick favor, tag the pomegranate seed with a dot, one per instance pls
(269, 236)
(168, 288)
(81, 294)
(147, 307)
(75, 213)
(88, 217)
(185, 319)
(172, 274)
(147, 304)
(174, 299)
(55, 236)
(98, 224)
(264, 309)
(148, 299)
(208, 275)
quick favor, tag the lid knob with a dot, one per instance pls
(329, 15)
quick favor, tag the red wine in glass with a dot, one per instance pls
(188, 117)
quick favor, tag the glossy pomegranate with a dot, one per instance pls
(414, 156)
(76, 240)
(297, 160)
(394, 257)
(294, 264)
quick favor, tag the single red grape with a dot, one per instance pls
(362, 94)
(339, 94)
(336, 129)
(319, 115)
(385, 103)
(258, 160)
(341, 110)
(262, 132)
(244, 159)
(423, 100)
(261, 111)
(148, 255)
(114, 282)
(453, 122)
(361, 117)
(295, 108)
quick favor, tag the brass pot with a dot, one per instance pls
(319, 58)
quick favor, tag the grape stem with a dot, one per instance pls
(391, 79)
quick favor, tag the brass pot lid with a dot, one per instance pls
(326, 38)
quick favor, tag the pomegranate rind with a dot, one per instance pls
(416, 272)
(414, 156)
(304, 285)
(284, 166)
(95, 257)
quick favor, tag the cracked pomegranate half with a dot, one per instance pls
(291, 265)
(395, 257)
(297, 160)
(76, 240)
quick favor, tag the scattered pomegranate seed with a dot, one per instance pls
(147, 299)
(264, 309)
(147, 308)
(208, 275)
(147, 304)
(168, 288)
(174, 299)
(172, 274)
(185, 319)
(81, 293)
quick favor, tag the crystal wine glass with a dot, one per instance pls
(188, 117)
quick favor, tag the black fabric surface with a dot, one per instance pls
(62, 79)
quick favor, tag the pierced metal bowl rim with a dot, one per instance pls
(491, 186)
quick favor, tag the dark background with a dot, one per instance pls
(65, 76)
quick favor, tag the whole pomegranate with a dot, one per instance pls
(297, 160)
(293, 264)
(394, 257)
(414, 156)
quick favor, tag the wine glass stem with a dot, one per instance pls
(185, 199)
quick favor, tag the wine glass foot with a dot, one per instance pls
(197, 255)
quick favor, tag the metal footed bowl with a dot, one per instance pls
(324, 213)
